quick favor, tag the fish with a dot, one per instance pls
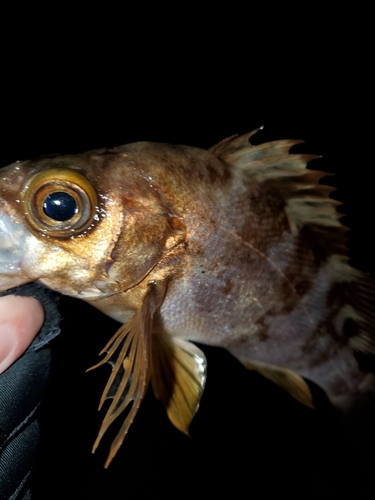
(239, 246)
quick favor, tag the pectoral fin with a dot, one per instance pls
(178, 377)
(128, 352)
(287, 379)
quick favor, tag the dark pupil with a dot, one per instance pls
(60, 206)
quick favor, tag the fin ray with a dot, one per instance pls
(128, 352)
(178, 377)
(329, 305)
(287, 379)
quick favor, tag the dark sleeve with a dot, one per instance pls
(21, 390)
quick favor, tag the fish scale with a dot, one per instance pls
(238, 246)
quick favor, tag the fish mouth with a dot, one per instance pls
(12, 239)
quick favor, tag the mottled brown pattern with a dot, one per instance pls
(244, 242)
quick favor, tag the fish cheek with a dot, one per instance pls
(143, 242)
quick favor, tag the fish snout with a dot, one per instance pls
(12, 240)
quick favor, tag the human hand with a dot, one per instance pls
(25, 362)
(21, 318)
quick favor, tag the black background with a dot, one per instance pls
(68, 95)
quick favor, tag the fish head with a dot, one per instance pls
(86, 225)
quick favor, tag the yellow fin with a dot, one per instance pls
(287, 379)
(128, 353)
(178, 376)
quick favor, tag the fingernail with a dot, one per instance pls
(8, 342)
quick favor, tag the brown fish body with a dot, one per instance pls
(238, 247)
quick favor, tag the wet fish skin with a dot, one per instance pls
(238, 247)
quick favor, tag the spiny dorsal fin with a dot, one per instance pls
(128, 352)
(231, 143)
(178, 377)
(306, 201)
(287, 379)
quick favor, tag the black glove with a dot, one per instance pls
(21, 389)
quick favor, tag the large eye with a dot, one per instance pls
(60, 202)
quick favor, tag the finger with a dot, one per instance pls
(20, 320)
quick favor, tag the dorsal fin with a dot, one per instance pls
(306, 201)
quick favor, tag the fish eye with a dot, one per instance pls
(60, 206)
(60, 202)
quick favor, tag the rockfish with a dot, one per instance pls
(238, 246)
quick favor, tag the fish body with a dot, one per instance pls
(238, 246)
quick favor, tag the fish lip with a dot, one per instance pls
(12, 239)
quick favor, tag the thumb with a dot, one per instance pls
(20, 320)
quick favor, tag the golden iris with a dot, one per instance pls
(60, 202)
